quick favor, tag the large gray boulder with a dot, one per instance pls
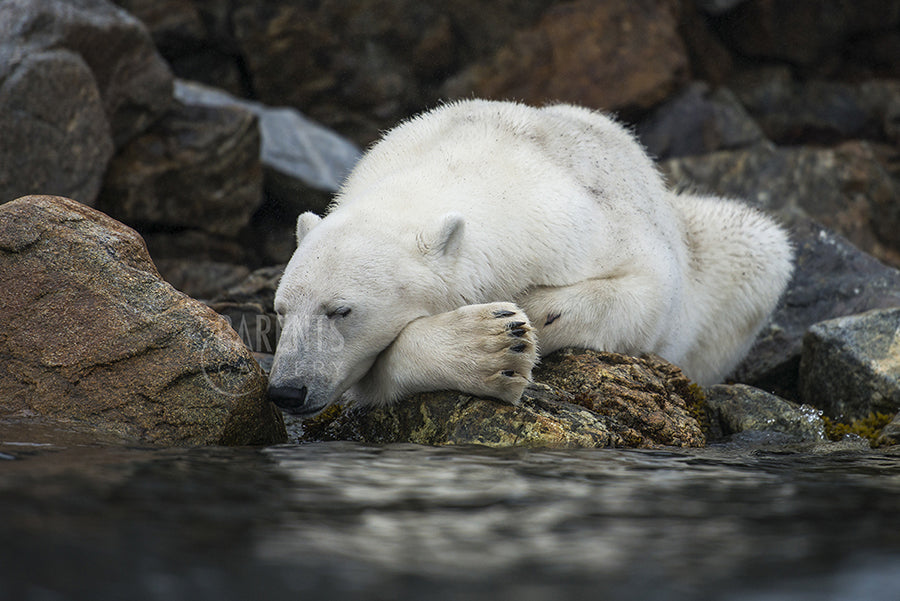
(832, 279)
(850, 366)
(55, 138)
(76, 80)
(133, 80)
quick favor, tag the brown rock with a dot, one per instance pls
(359, 67)
(621, 55)
(710, 60)
(198, 167)
(168, 21)
(93, 336)
(581, 399)
(647, 394)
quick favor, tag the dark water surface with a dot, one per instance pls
(352, 521)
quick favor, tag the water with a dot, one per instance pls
(353, 521)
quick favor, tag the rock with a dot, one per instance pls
(803, 33)
(200, 264)
(832, 279)
(133, 80)
(272, 235)
(196, 245)
(581, 399)
(845, 188)
(76, 79)
(647, 394)
(710, 60)
(196, 39)
(850, 366)
(616, 56)
(94, 337)
(297, 153)
(698, 121)
(890, 435)
(818, 111)
(200, 279)
(876, 54)
(360, 67)
(741, 408)
(170, 22)
(259, 288)
(56, 138)
(717, 7)
(249, 306)
(198, 167)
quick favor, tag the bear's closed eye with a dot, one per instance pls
(338, 312)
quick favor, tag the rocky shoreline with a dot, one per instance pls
(96, 107)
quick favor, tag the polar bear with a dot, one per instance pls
(473, 235)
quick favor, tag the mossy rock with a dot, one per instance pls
(869, 428)
(579, 399)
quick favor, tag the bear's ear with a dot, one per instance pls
(444, 237)
(306, 222)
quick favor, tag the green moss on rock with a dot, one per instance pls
(868, 427)
(580, 399)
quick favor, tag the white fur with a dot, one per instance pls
(557, 210)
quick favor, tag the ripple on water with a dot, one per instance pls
(356, 521)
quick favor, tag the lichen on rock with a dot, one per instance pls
(580, 398)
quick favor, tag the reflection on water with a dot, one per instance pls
(351, 521)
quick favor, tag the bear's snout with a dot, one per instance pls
(289, 398)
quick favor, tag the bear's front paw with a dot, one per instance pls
(502, 347)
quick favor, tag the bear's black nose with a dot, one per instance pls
(288, 398)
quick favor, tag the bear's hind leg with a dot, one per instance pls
(485, 350)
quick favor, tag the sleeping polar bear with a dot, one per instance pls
(474, 234)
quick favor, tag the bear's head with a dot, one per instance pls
(349, 289)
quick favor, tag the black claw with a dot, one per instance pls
(503, 313)
(508, 373)
(514, 324)
(551, 318)
(518, 348)
(518, 332)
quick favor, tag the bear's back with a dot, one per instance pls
(492, 149)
